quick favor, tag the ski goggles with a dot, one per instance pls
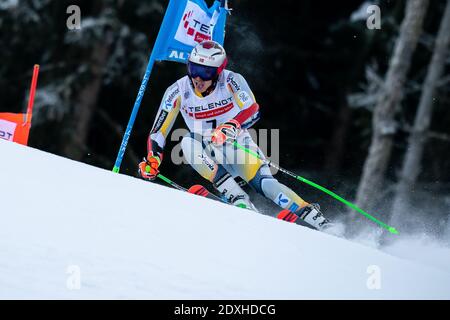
(203, 72)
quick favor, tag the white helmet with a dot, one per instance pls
(207, 60)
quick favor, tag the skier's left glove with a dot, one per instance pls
(148, 168)
(226, 132)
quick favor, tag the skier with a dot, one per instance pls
(218, 108)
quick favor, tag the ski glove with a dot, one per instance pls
(226, 132)
(148, 168)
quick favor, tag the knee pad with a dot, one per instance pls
(262, 174)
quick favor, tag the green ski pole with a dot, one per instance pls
(315, 185)
(170, 182)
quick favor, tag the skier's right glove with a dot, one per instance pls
(148, 169)
(226, 132)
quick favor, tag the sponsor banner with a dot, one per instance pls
(187, 23)
(14, 127)
(213, 113)
(195, 26)
(7, 130)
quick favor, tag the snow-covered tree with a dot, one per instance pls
(412, 160)
(384, 126)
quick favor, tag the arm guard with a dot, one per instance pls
(165, 118)
(245, 99)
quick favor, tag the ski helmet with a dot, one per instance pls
(207, 60)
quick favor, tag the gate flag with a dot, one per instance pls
(16, 126)
(186, 23)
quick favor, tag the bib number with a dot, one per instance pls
(213, 123)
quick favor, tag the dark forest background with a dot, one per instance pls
(315, 69)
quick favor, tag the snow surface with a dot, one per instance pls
(134, 239)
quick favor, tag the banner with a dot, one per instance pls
(16, 126)
(13, 127)
(187, 23)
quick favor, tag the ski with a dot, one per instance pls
(284, 214)
(287, 216)
(203, 192)
(197, 189)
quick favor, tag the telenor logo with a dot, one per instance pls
(195, 25)
(195, 28)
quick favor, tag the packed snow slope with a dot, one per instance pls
(64, 223)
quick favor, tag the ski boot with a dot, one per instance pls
(312, 215)
(233, 193)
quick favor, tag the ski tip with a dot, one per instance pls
(393, 230)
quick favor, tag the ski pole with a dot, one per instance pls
(315, 185)
(170, 182)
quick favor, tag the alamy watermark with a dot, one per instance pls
(374, 280)
(374, 19)
(73, 22)
(198, 150)
(73, 281)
